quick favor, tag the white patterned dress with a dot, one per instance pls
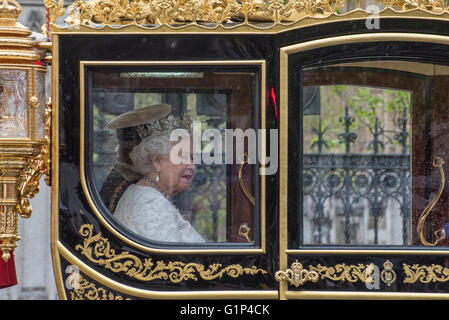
(145, 211)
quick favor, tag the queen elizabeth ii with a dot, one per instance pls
(146, 207)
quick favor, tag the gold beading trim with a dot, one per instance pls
(98, 250)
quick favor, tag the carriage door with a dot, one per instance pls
(363, 191)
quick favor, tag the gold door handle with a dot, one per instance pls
(439, 234)
(244, 231)
(297, 275)
(242, 184)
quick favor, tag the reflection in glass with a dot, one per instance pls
(13, 103)
(40, 114)
(212, 205)
(146, 207)
(356, 172)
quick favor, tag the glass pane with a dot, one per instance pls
(198, 200)
(13, 104)
(374, 136)
(40, 115)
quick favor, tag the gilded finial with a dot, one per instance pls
(10, 9)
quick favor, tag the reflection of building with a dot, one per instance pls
(33, 256)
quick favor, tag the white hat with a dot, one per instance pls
(140, 116)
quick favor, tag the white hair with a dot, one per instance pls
(159, 145)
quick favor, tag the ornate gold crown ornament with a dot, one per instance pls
(24, 123)
(167, 124)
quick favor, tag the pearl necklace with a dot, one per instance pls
(155, 186)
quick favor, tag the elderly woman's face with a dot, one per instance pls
(175, 177)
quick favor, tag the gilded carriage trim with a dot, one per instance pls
(425, 274)
(83, 289)
(247, 15)
(55, 9)
(62, 252)
(297, 275)
(54, 173)
(343, 272)
(388, 275)
(98, 250)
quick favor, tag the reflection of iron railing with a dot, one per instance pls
(204, 203)
(342, 184)
(348, 179)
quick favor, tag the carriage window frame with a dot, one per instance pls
(86, 167)
(304, 56)
(339, 69)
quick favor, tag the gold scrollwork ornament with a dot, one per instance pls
(98, 250)
(425, 274)
(343, 272)
(297, 275)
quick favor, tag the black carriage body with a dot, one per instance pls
(108, 256)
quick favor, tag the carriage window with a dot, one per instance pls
(158, 157)
(374, 145)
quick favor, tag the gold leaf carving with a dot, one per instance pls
(55, 10)
(344, 272)
(297, 275)
(156, 13)
(98, 250)
(425, 274)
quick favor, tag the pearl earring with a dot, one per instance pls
(157, 176)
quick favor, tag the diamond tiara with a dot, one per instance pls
(167, 124)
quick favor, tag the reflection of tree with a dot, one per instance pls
(366, 105)
(356, 166)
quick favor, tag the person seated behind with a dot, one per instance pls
(146, 207)
(123, 174)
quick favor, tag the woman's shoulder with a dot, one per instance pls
(141, 194)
